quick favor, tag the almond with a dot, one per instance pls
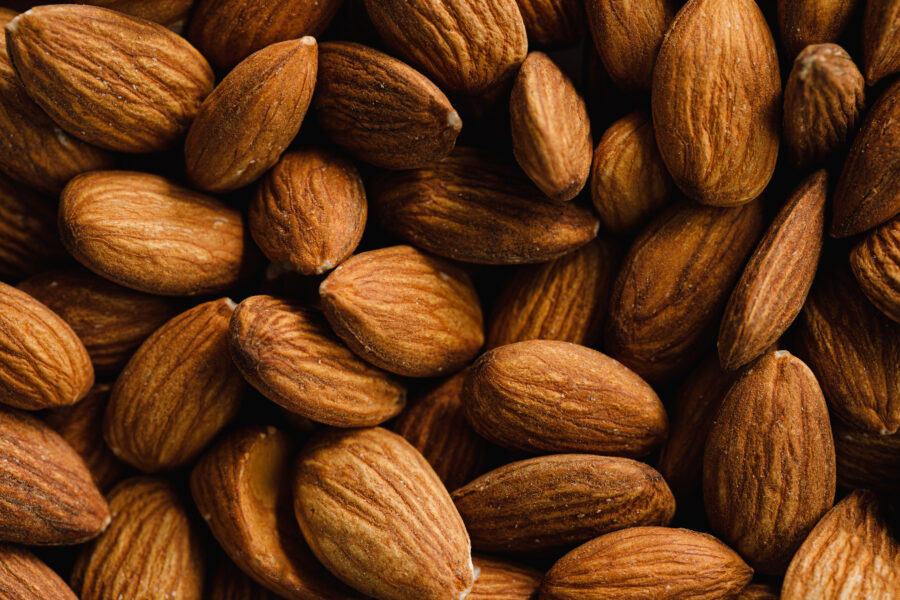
(29, 242)
(552, 22)
(177, 392)
(716, 101)
(769, 470)
(376, 514)
(758, 591)
(501, 580)
(164, 12)
(806, 22)
(404, 311)
(648, 562)
(290, 355)
(111, 80)
(866, 460)
(876, 264)
(229, 583)
(881, 49)
(549, 396)
(24, 577)
(382, 110)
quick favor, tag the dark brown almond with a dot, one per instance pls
(29, 241)
(230, 583)
(876, 265)
(806, 22)
(866, 460)
(881, 39)
(24, 577)
(502, 580)
(552, 22)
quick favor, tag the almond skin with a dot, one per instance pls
(716, 101)
(552, 22)
(43, 364)
(66, 55)
(501, 580)
(806, 22)
(147, 233)
(164, 12)
(851, 553)
(549, 396)
(404, 311)
(24, 577)
(758, 591)
(769, 467)
(560, 501)
(290, 355)
(876, 265)
(648, 562)
(251, 117)
(381, 110)
(881, 49)
(29, 242)
(376, 514)
(771, 291)
(866, 460)
(229, 583)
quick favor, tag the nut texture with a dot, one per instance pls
(552, 22)
(876, 264)
(806, 22)
(881, 48)
(866, 460)
(24, 577)
(501, 580)
(29, 242)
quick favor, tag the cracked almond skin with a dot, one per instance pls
(230, 583)
(769, 465)
(806, 22)
(177, 392)
(851, 553)
(674, 282)
(43, 364)
(866, 460)
(65, 56)
(876, 265)
(561, 500)
(292, 357)
(24, 577)
(503, 580)
(717, 101)
(150, 550)
(551, 23)
(29, 240)
(648, 562)
(381, 110)
(824, 100)
(551, 132)
(881, 39)
(376, 514)
(251, 117)
(49, 498)
(145, 232)
(465, 46)
(242, 489)
(405, 311)
(475, 207)
(774, 285)
(547, 396)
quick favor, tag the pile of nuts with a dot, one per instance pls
(314, 299)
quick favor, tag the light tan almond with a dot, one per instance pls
(876, 265)
(881, 39)
(24, 577)
(806, 22)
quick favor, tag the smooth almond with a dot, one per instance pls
(502, 580)
(876, 265)
(29, 241)
(552, 22)
(881, 47)
(24, 577)
(806, 22)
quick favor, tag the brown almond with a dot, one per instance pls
(866, 460)
(769, 467)
(758, 591)
(806, 22)
(29, 241)
(164, 12)
(502, 580)
(24, 577)
(717, 101)
(773, 287)
(880, 45)
(549, 396)
(111, 80)
(876, 265)
(552, 22)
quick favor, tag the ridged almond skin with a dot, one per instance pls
(381, 110)
(627, 35)
(551, 131)
(876, 265)
(552, 23)
(251, 117)
(109, 319)
(177, 392)
(112, 80)
(881, 48)
(404, 311)
(773, 287)
(150, 550)
(465, 46)
(43, 364)
(629, 181)
(769, 466)
(758, 591)
(560, 501)
(502, 580)
(378, 517)
(149, 234)
(24, 577)
(49, 498)
(242, 489)
(823, 102)
(29, 241)
(674, 282)
(806, 22)
(866, 460)
(648, 562)
(868, 191)
(717, 101)
(547, 396)
(564, 299)
(230, 583)
(475, 207)
(164, 12)
(851, 553)
(854, 351)
(292, 357)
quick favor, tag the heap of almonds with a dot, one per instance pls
(623, 320)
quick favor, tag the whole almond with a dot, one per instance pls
(648, 562)
(717, 100)
(404, 311)
(866, 460)
(382, 110)
(550, 396)
(147, 233)
(806, 22)
(290, 355)
(376, 514)
(768, 469)
(501, 580)
(177, 392)
(876, 264)
(111, 80)
(29, 242)
(552, 22)
(881, 48)
(230, 583)
(164, 12)
(24, 577)
(251, 117)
